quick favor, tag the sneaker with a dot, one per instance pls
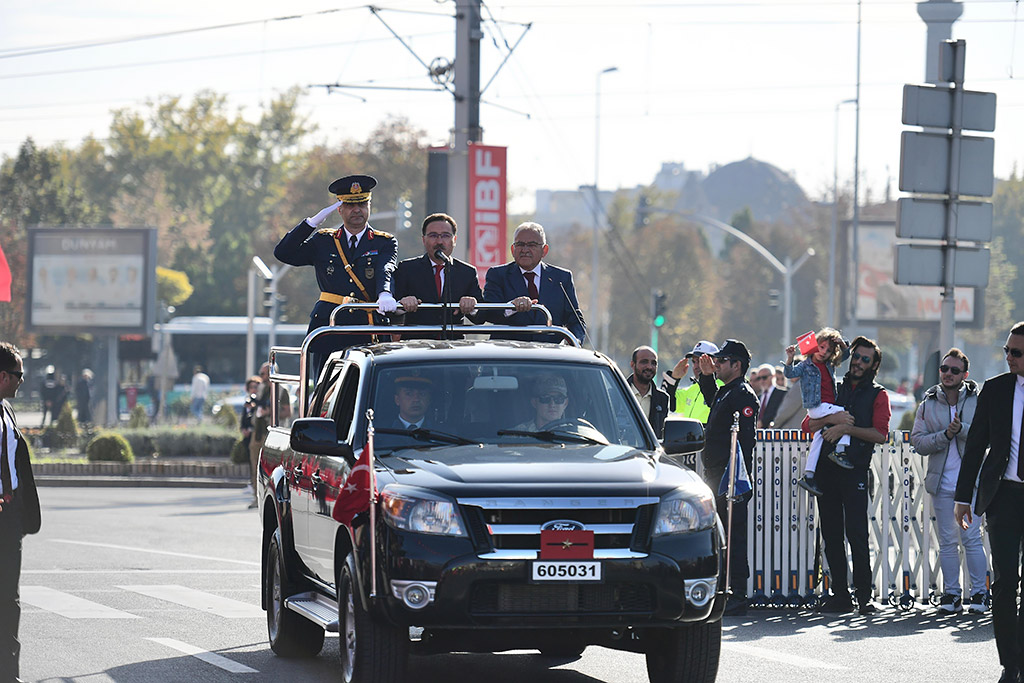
(839, 458)
(807, 483)
(950, 604)
(837, 604)
(977, 604)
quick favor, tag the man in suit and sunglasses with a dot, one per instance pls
(527, 280)
(19, 510)
(993, 447)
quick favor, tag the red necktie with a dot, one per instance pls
(764, 400)
(531, 288)
(437, 277)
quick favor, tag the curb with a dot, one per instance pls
(140, 482)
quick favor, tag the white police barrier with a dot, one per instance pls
(783, 526)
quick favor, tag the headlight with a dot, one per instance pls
(421, 511)
(685, 510)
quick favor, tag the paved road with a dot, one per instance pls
(163, 585)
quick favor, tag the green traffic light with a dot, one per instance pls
(659, 320)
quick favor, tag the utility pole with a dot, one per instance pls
(467, 111)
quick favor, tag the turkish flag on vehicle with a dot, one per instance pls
(807, 343)
(5, 277)
(354, 496)
(566, 545)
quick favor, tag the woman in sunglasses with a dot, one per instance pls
(940, 434)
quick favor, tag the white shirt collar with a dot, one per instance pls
(358, 236)
(535, 271)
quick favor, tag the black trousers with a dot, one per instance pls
(11, 533)
(843, 511)
(739, 568)
(1005, 518)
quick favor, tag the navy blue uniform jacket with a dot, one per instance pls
(557, 293)
(373, 261)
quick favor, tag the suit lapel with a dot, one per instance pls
(517, 283)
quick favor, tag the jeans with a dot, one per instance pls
(951, 537)
(197, 408)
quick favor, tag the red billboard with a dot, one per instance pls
(487, 239)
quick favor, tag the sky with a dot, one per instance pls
(700, 82)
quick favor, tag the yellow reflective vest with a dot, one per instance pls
(690, 402)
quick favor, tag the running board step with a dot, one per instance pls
(316, 608)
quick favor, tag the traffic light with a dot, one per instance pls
(774, 298)
(403, 213)
(268, 298)
(658, 298)
(640, 217)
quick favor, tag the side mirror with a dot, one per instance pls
(318, 436)
(683, 436)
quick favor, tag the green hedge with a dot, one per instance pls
(175, 442)
(109, 447)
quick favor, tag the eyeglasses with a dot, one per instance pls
(861, 358)
(438, 235)
(725, 360)
(951, 369)
(1016, 353)
(16, 373)
(763, 377)
(531, 245)
(557, 399)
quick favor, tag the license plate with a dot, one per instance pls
(566, 571)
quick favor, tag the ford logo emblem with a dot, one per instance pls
(563, 525)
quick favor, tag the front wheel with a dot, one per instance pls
(688, 654)
(291, 635)
(371, 651)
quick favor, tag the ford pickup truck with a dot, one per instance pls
(482, 496)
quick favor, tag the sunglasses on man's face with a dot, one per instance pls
(861, 358)
(763, 377)
(951, 369)
(557, 399)
(1016, 353)
(17, 374)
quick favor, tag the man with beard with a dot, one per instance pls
(843, 505)
(434, 277)
(730, 366)
(652, 400)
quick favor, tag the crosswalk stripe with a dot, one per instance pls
(68, 605)
(205, 655)
(205, 602)
(776, 656)
(113, 546)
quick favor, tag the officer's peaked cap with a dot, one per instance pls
(353, 189)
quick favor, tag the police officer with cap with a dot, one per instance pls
(730, 365)
(353, 263)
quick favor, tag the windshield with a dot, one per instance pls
(503, 403)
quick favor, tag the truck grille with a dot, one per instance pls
(513, 525)
(509, 598)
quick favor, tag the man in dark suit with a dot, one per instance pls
(528, 280)
(771, 396)
(997, 429)
(426, 279)
(19, 511)
(654, 401)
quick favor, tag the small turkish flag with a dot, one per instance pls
(807, 343)
(566, 545)
(354, 496)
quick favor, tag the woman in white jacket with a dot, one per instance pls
(940, 434)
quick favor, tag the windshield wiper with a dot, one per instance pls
(421, 434)
(552, 436)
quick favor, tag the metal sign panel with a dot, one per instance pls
(918, 264)
(924, 164)
(932, 106)
(487, 196)
(925, 219)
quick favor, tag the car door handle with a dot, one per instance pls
(317, 479)
(297, 473)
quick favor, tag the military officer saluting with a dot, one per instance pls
(353, 263)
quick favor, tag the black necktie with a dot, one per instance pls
(352, 243)
(5, 465)
(531, 288)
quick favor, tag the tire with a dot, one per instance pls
(688, 654)
(371, 651)
(290, 634)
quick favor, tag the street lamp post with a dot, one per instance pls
(835, 221)
(595, 263)
(787, 292)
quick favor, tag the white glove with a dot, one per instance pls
(386, 303)
(316, 220)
